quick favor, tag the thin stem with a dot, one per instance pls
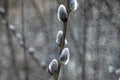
(63, 37)
(24, 42)
(68, 5)
(59, 1)
(55, 77)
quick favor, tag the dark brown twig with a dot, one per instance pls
(56, 76)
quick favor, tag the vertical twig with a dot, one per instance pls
(59, 1)
(61, 48)
(63, 37)
(24, 42)
(55, 77)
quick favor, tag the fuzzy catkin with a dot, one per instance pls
(62, 13)
(65, 56)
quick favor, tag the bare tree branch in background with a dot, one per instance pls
(24, 42)
(9, 37)
(84, 40)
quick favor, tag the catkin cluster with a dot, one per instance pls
(61, 41)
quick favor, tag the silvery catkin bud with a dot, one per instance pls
(62, 13)
(73, 5)
(65, 56)
(53, 67)
(59, 38)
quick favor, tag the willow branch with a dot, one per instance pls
(61, 48)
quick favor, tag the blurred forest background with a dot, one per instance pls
(93, 36)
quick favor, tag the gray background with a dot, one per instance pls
(93, 36)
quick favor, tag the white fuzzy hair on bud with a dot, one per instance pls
(59, 38)
(73, 5)
(62, 13)
(65, 56)
(66, 42)
(53, 67)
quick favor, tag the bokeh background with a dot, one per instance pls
(93, 36)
